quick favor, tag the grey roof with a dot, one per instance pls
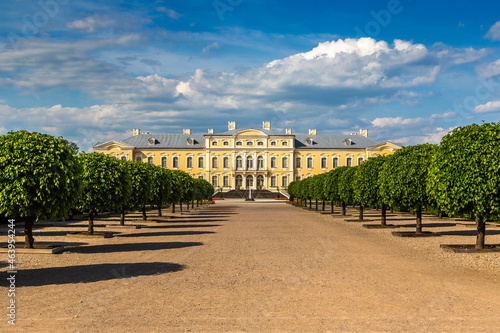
(166, 141)
(322, 141)
(329, 141)
(234, 131)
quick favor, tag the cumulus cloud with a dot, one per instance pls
(494, 32)
(91, 24)
(493, 106)
(431, 135)
(489, 70)
(397, 121)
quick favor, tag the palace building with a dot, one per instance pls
(248, 157)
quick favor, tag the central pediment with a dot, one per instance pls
(251, 132)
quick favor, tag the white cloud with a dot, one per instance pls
(206, 49)
(494, 32)
(493, 106)
(170, 13)
(397, 121)
(444, 115)
(91, 24)
(489, 70)
(433, 135)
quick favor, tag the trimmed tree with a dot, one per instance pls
(331, 187)
(39, 178)
(403, 179)
(104, 185)
(141, 176)
(366, 185)
(162, 185)
(464, 176)
(346, 187)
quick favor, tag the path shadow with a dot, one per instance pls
(131, 247)
(168, 233)
(180, 222)
(428, 225)
(65, 232)
(472, 232)
(181, 225)
(91, 273)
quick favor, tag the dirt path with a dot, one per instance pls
(256, 267)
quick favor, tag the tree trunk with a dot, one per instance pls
(180, 206)
(333, 206)
(159, 210)
(324, 205)
(173, 208)
(344, 209)
(310, 204)
(144, 216)
(419, 220)
(197, 203)
(412, 211)
(440, 214)
(192, 204)
(91, 223)
(361, 212)
(481, 231)
(392, 210)
(28, 232)
(316, 204)
(384, 215)
(122, 217)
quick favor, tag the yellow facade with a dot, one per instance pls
(248, 158)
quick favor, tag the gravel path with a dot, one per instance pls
(258, 267)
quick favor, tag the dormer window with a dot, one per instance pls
(190, 141)
(309, 141)
(284, 143)
(273, 143)
(152, 141)
(226, 143)
(239, 143)
(249, 143)
(347, 142)
(260, 143)
(214, 143)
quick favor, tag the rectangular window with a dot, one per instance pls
(214, 180)
(226, 181)
(273, 181)
(323, 162)
(225, 162)
(284, 181)
(284, 163)
(151, 160)
(273, 162)
(335, 162)
(298, 178)
(298, 162)
(189, 162)
(163, 162)
(360, 160)
(309, 162)
(138, 159)
(200, 162)
(200, 177)
(124, 158)
(175, 162)
(349, 161)
(215, 162)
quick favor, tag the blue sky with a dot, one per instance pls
(408, 70)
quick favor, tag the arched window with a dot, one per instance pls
(284, 162)
(260, 163)
(239, 163)
(249, 183)
(309, 162)
(239, 180)
(189, 162)
(249, 162)
(260, 143)
(323, 163)
(239, 143)
(273, 143)
(214, 143)
(335, 162)
(284, 181)
(348, 161)
(260, 181)
(273, 162)
(201, 163)
(175, 162)
(164, 162)
(215, 162)
(249, 143)
(225, 162)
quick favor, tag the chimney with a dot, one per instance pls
(186, 131)
(313, 131)
(210, 131)
(136, 131)
(266, 125)
(363, 132)
(231, 125)
(288, 131)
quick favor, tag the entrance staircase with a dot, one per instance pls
(244, 194)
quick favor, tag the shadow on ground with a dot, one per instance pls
(428, 225)
(180, 225)
(91, 273)
(130, 247)
(472, 232)
(168, 233)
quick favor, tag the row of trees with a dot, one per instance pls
(460, 176)
(45, 177)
